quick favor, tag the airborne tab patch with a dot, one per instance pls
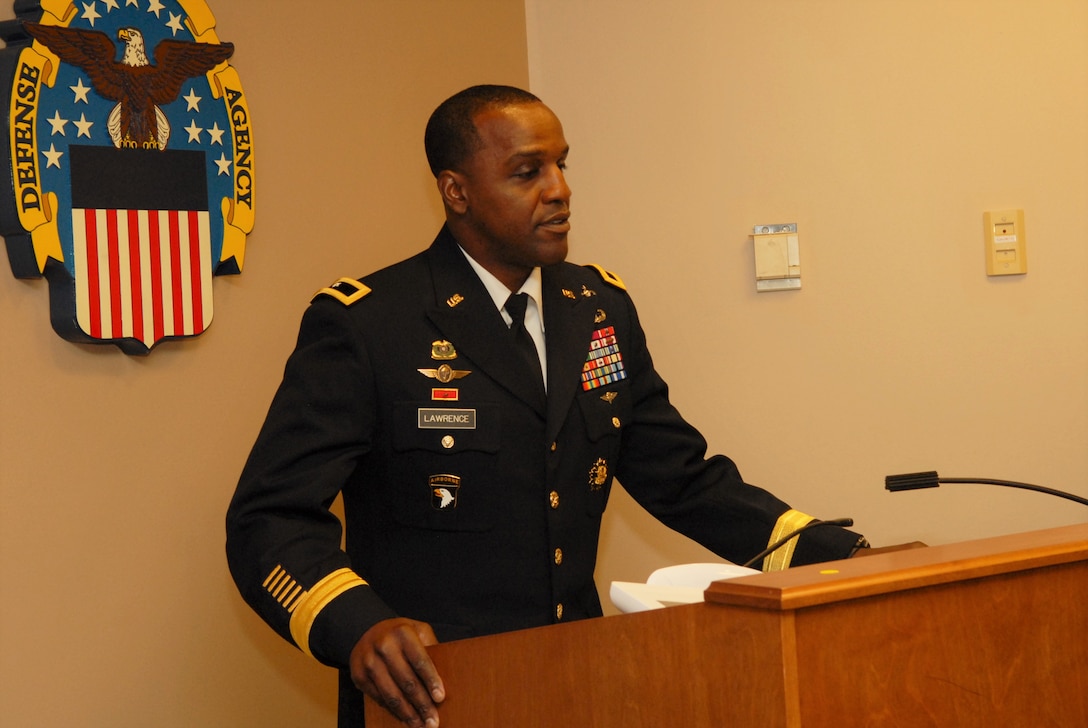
(444, 491)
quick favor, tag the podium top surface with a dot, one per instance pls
(816, 584)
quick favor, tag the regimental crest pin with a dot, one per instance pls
(598, 474)
(131, 165)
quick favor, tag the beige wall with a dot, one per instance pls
(885, 130)
(116, 608)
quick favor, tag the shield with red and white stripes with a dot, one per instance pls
(142, 274)
(142, 254)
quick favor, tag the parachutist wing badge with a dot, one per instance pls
(445, 373)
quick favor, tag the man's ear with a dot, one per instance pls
(452, 188)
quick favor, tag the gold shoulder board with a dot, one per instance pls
(346, 290)
(610, 278)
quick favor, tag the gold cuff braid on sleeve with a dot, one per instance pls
(787, 523)
(315, 600)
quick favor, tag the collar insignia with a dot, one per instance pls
(455, 299)
(445, 373)
(570, 294)
(587, 292)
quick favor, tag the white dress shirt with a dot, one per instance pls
(534, 310)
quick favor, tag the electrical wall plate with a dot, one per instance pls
(1006, 243)
(778, 257)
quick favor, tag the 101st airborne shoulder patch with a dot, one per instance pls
(131, 165)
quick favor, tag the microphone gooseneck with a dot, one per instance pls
(930, 479)
(841, 522)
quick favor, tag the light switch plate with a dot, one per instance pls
(1006, 243)
(777, 251)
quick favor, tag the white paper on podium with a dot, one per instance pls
(680, 584)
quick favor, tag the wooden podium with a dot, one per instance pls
(981, 633)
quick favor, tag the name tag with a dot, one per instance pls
(447, 419)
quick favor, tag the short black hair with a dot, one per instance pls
(451, 136)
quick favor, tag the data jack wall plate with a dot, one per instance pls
(778, 257)
(1006, 243)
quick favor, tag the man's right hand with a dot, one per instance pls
(390, 664)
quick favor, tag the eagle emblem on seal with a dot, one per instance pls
(138, 87)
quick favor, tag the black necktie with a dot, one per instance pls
(515, 306)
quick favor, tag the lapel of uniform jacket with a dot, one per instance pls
(467, 317)
(569, 321)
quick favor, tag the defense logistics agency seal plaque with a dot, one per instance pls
(131, 165)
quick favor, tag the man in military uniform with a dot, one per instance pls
(474, 435)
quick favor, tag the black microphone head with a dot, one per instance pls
(912, 481)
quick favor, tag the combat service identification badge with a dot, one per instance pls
(444, 491)
(131, 165)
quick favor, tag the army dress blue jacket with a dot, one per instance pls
(471, 501)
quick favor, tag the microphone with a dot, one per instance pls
(930, 479)
(841, 522)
